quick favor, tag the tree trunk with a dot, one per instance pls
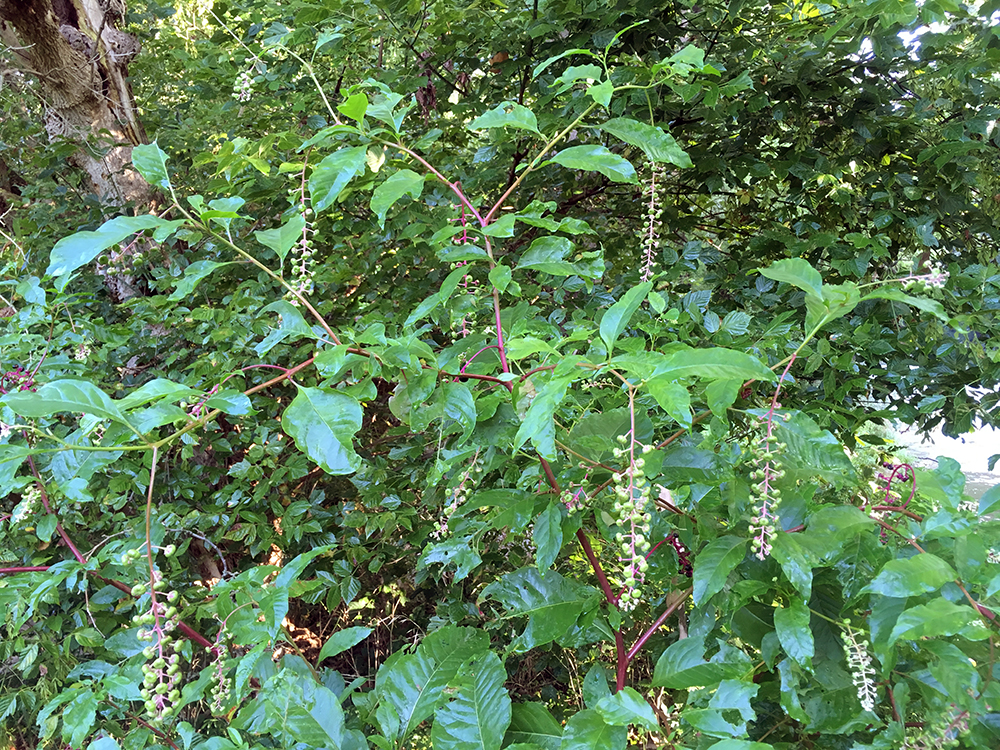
(81, 62)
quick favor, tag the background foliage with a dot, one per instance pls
(298, 455)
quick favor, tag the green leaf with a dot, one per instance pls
(104, 743)
(542, 66)
(341, 641)
(713, 565)
(797, 565)
(457, 403)
(721, 394)
(716, 363)
(354, 107)
(597, 159)
(796, 272)
(323, 423)
(150, 161)
(193, 275)
(481, 711)
(601, 92)
(931, 306)
(283, 238)
(547, 254)
(657, 145)
(330, 176)
(533, 723)
(235, 403)
(550, 602)
(401, 183)
(78, 718)
(938, 617)
(673, 398)
(45, 527)
(911, 576)
(500, 277)
(65, 396)
(508, 115)
(70, 253)
(683, 665)
(538, 421)
(547, 536)
(620, 313)
(990, 500)
(414, 684)
(627, 707)
(732, 744)
(794, 632)
(837, 301)
(587, 730)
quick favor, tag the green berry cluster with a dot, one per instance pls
(632, 497)
(765, 495)
(456, 497)
(303, 251)
(221, 683)
(31, 496)
(161, 671)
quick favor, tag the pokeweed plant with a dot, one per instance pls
(570, 471)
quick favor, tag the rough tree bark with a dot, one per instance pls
(80, 58)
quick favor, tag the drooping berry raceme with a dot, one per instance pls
(221, 684)
(653, 202)
(631, 509)
(574, 499)
(161, 671)
(766, 496)
(860, 664)
(31, 497)
(243, 87)
(456, 497)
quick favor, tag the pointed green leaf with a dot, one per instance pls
(683, 665)
(70, 253)
(673, 398)
(550, 602)
(620, 313)
(597, 159)
(990, 500)
(938, 617)
(150, 161)
(628, 707)
(796, 272)
(403, 182)
(532, 723)
(65, 396)
(414, 684)
(538, 421)
(282, 239)
(932, 306)
(911, 576)
(713, 565)
(341, 641)
(354, 107)
(547, 536)
(322, 423)
(716, 363)
(657, 145)
(587, 730)
(479, 715)
(721, 394)
(331, 175)
(193, 275)
(509, 115)
(548, 254)
(794, 632)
